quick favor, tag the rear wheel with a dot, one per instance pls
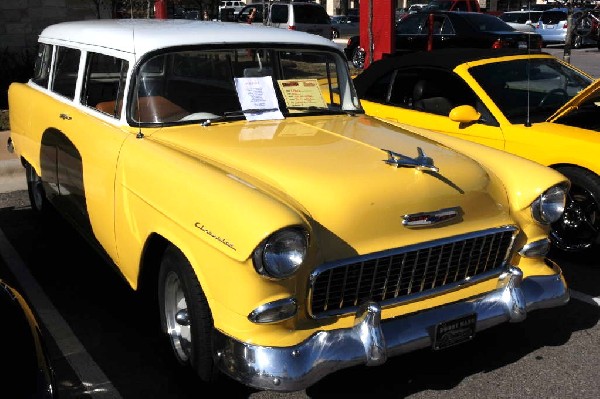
(579, 228)
(35, 189)
(185, 315)
(578, 42)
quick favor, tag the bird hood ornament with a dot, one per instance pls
(421, 162)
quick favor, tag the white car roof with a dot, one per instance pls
(139, 36)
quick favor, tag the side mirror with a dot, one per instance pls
(464, 114)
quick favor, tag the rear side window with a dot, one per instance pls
(411, 25)
(41, 71)
(279, 13)
(104, 83)
(66, 67)
(310, 15)
(486, 23)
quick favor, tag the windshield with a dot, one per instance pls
(191, 85)
(529, 89)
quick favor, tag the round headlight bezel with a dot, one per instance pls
(550, 205)
(281, 254)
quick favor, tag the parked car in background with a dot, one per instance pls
(450, 29)
(28, 371)
(235, 4)
(354, 53)
(460, 29)
(416, 7)
(251, 13)
(525, 21)
(532, 105)
(453, 5)
(301, 16)
(230, 176)
(345, 25)
(552, 25)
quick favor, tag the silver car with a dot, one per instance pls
(524, 21)
(552, 25)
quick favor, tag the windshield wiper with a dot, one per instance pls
(236, 114)
(326, 110)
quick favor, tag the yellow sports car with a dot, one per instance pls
(532, 105)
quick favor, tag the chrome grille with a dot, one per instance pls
(405, 273)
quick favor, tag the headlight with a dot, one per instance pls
(280, 255)
(549, 207)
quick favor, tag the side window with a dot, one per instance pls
(41, 71)
(279, 13)
(104, 83)
(66, 66)
(379, 91)
(411, 25)
(310, 15)
(447, 28)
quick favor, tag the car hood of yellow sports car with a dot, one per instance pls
(345, 180)
(575, 102)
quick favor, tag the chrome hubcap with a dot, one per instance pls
(176, 316)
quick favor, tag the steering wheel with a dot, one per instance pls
(554, 92)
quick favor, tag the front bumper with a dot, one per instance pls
(371, 341)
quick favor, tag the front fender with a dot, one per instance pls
(191, 202)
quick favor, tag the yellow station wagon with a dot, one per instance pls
(282, 234)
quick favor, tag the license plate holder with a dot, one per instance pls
(454, 332)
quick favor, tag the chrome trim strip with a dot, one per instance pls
(371, 341)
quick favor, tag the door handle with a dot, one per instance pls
(65, 117)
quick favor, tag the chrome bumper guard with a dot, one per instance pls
(371, 342)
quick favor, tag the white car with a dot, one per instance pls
(524, 21)
(236, 5)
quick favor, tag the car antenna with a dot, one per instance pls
(528, 121)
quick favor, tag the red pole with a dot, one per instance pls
(430, 32)
(160, 9)
(377, 33)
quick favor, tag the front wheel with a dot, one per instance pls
(579, 228)
(185, 316)
(358, 57)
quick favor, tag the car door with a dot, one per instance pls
(79, 155)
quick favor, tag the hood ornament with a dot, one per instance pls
(421, 162)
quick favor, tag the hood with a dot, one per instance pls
(576, 101)
(336, 171)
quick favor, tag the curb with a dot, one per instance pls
(9, 163)
(11, 167)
